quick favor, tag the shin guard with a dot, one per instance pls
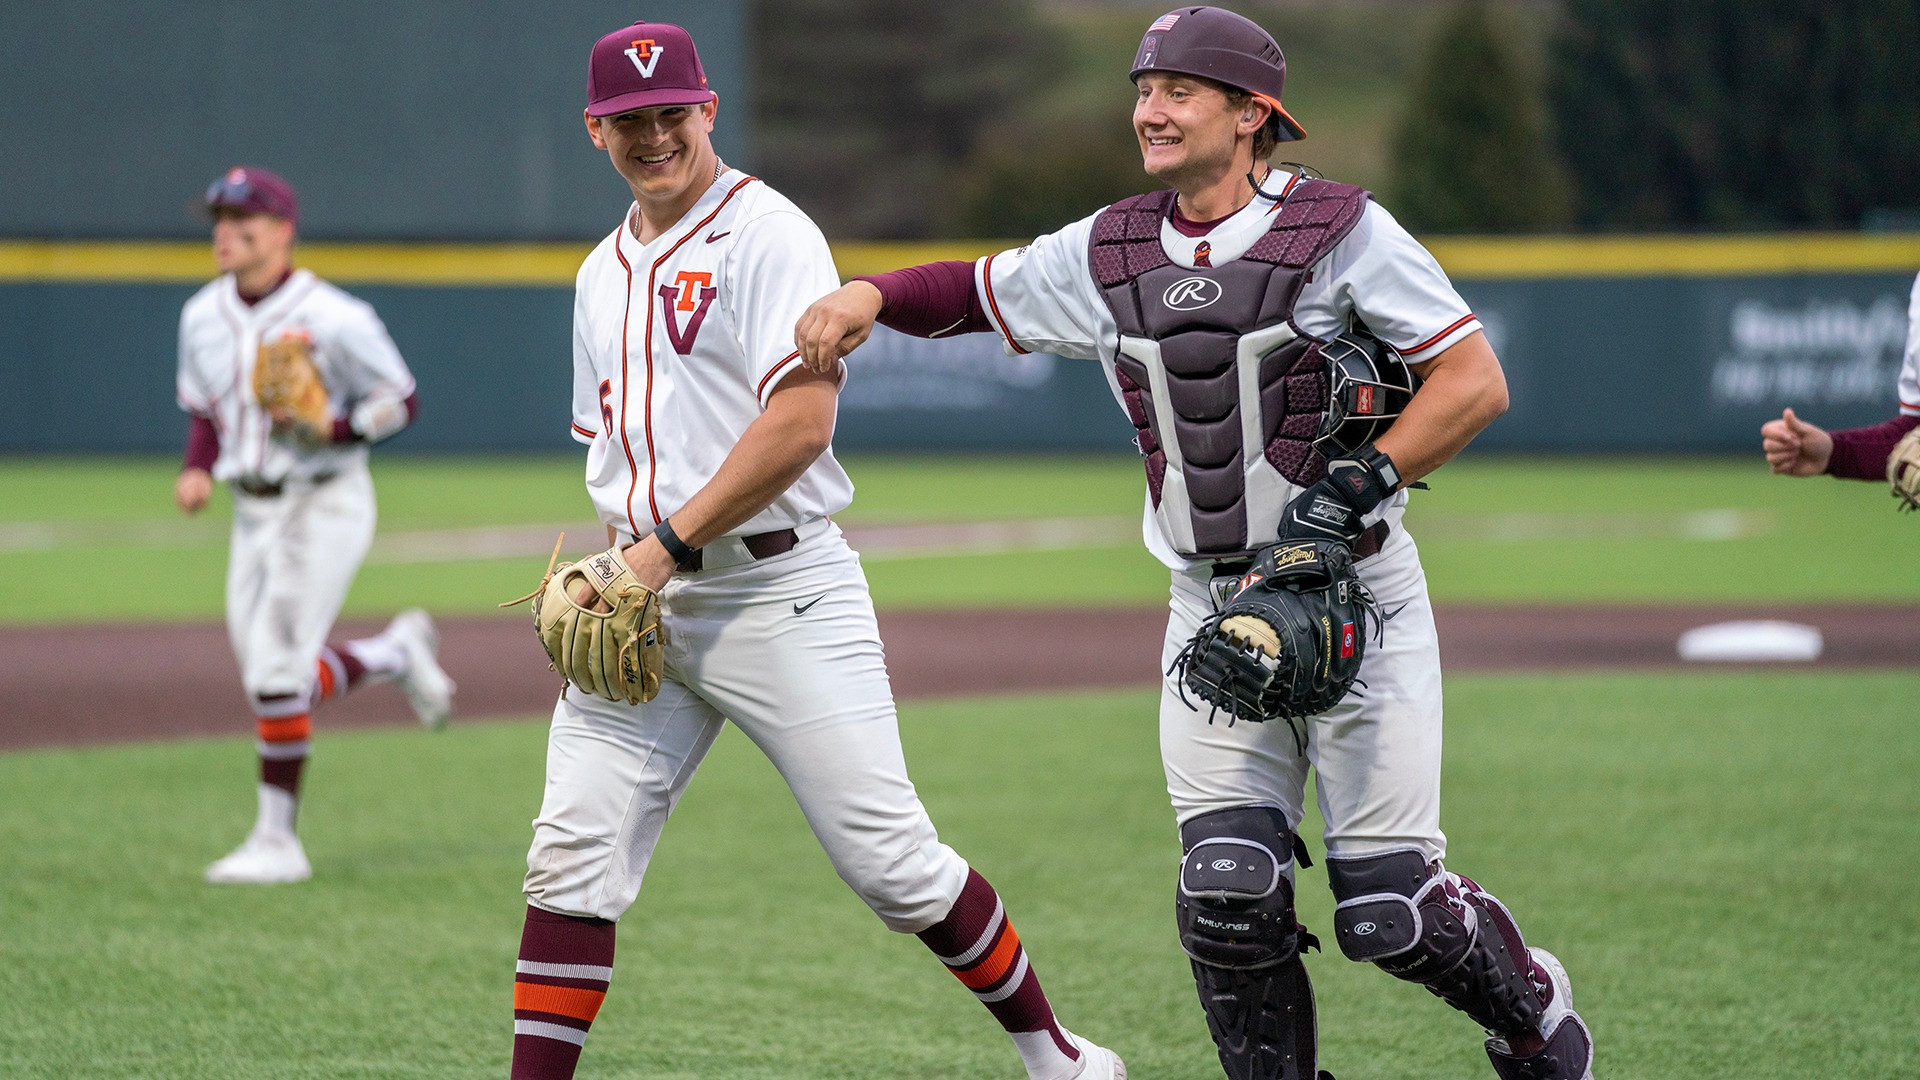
(1237, 924)
(1420, 923)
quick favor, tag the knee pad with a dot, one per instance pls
(1417, 922)
(1235, 898)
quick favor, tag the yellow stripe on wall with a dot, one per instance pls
(1465, 258)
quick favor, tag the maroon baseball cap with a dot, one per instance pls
(254, 191)
(1228, 48)
(644, 66)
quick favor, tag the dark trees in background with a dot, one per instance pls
(1733, 114)
(865, 109)
(1471, 152)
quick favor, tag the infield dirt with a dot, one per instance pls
(63, 686)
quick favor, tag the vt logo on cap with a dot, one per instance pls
(645, 56)
(644, 66)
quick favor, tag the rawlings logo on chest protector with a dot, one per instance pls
(1211, 368)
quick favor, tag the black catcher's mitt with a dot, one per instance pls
(1288, 644)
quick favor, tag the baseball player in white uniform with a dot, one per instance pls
(708, 459)
(1794, 447)
(1206, 305)
(303, 500)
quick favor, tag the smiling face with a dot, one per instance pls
(249, 244)
(1189, 131)
(666, 153)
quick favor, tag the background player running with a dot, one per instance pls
(303, 505)
(1206, 306)
(708, 458)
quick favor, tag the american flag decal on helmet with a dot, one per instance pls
(1164, 22)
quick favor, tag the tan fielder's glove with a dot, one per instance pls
(1903, 470)
(615, 654)
(287, 384)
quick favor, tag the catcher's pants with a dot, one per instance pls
(787, 649)
(292, 560)
(1375, 756)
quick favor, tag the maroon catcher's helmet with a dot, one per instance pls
(1217, 44)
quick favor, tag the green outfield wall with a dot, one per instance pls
(1619, 344)
(427, 120)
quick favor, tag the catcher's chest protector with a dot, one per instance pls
(1227, 393)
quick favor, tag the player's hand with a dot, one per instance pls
(192, 489)
(835, 325)
(1795, 447)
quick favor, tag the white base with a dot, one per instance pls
(1755, 641)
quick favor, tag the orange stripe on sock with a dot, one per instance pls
(325, 676)
(569, 1001)
(286, 728)
(996, 965)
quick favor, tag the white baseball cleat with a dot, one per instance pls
(263, 858)
(1097, 1062)
(1568, 1054)
(425, 683)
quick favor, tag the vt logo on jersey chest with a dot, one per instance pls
(691, 292)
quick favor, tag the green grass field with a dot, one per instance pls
(1725, 860)
(1492, 529)
(1731, 886)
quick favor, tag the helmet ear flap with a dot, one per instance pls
(1368, 386)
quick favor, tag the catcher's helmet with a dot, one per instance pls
(1217, 44)
(1368, 387)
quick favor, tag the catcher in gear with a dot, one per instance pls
(1214, 309)
(1889, 450)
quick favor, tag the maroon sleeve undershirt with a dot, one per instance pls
(343, 429)
(203, 443)
(935, 299)
(1861, 453)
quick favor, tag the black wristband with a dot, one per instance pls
(676, 547)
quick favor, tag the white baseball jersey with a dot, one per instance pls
(220, 339)
(1910, 365)
(1042, 298)
(679, 342)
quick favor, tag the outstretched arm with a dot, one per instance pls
(936, 299)
(1797, 448)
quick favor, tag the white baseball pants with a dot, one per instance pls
(1375, 756)
(292, 560)
(788, 650)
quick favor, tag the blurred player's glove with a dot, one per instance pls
(1903, 470)
(1288, 644)
(616, 654)
(288, 386)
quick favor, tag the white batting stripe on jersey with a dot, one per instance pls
(220, 338)
(661, 398)
(1909, 388)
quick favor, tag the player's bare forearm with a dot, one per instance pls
(775, 450)
(1463, 391)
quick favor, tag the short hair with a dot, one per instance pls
(1268, 137)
